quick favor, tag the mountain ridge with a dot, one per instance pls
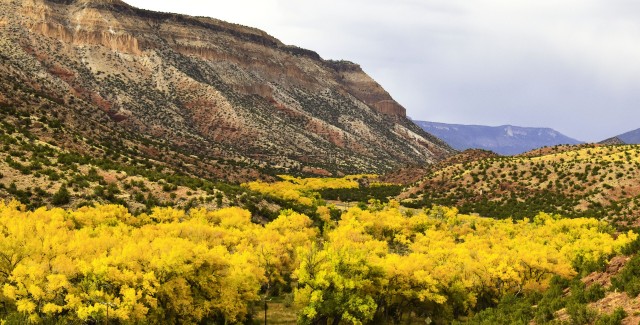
(504, 139)
(612, 141)
(631, 137)
(228, 94)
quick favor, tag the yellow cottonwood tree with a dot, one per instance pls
(374, 265)
(438, 263)
(165, 267)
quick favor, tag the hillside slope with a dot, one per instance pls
(631, 137)
(612, 141)
(235, 98)
(504, 140)
(587, 180)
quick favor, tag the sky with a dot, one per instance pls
(572, 65)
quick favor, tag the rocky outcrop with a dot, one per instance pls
(211, 88)
(114, 41)
(363, 87)
(390, 107)
(612, 141)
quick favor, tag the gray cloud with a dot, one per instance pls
(568, 64)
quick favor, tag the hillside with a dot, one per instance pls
(229, 100)
(612, 141)
(631, 137)
(505, 140)
(37, 173)
(588, 180)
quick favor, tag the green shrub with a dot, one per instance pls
(61, 197)
(580, 313)
(629, 279)
(510, 310)
(614, 319)
(552, 300)
(594, 293)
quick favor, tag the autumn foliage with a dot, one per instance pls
(379, 264)
(303, 190)
(166, 267)
(375, 264)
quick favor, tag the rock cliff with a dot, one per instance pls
(203, 87)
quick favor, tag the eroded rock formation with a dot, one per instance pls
(209, 87)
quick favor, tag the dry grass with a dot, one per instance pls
(277, 313)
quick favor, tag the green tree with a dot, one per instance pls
(62, 196)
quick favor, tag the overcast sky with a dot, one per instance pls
(573, 65)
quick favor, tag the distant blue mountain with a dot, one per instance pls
(631, 137)
(504, 140)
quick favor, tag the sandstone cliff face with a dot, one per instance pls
(210, 88)
(366, 89)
